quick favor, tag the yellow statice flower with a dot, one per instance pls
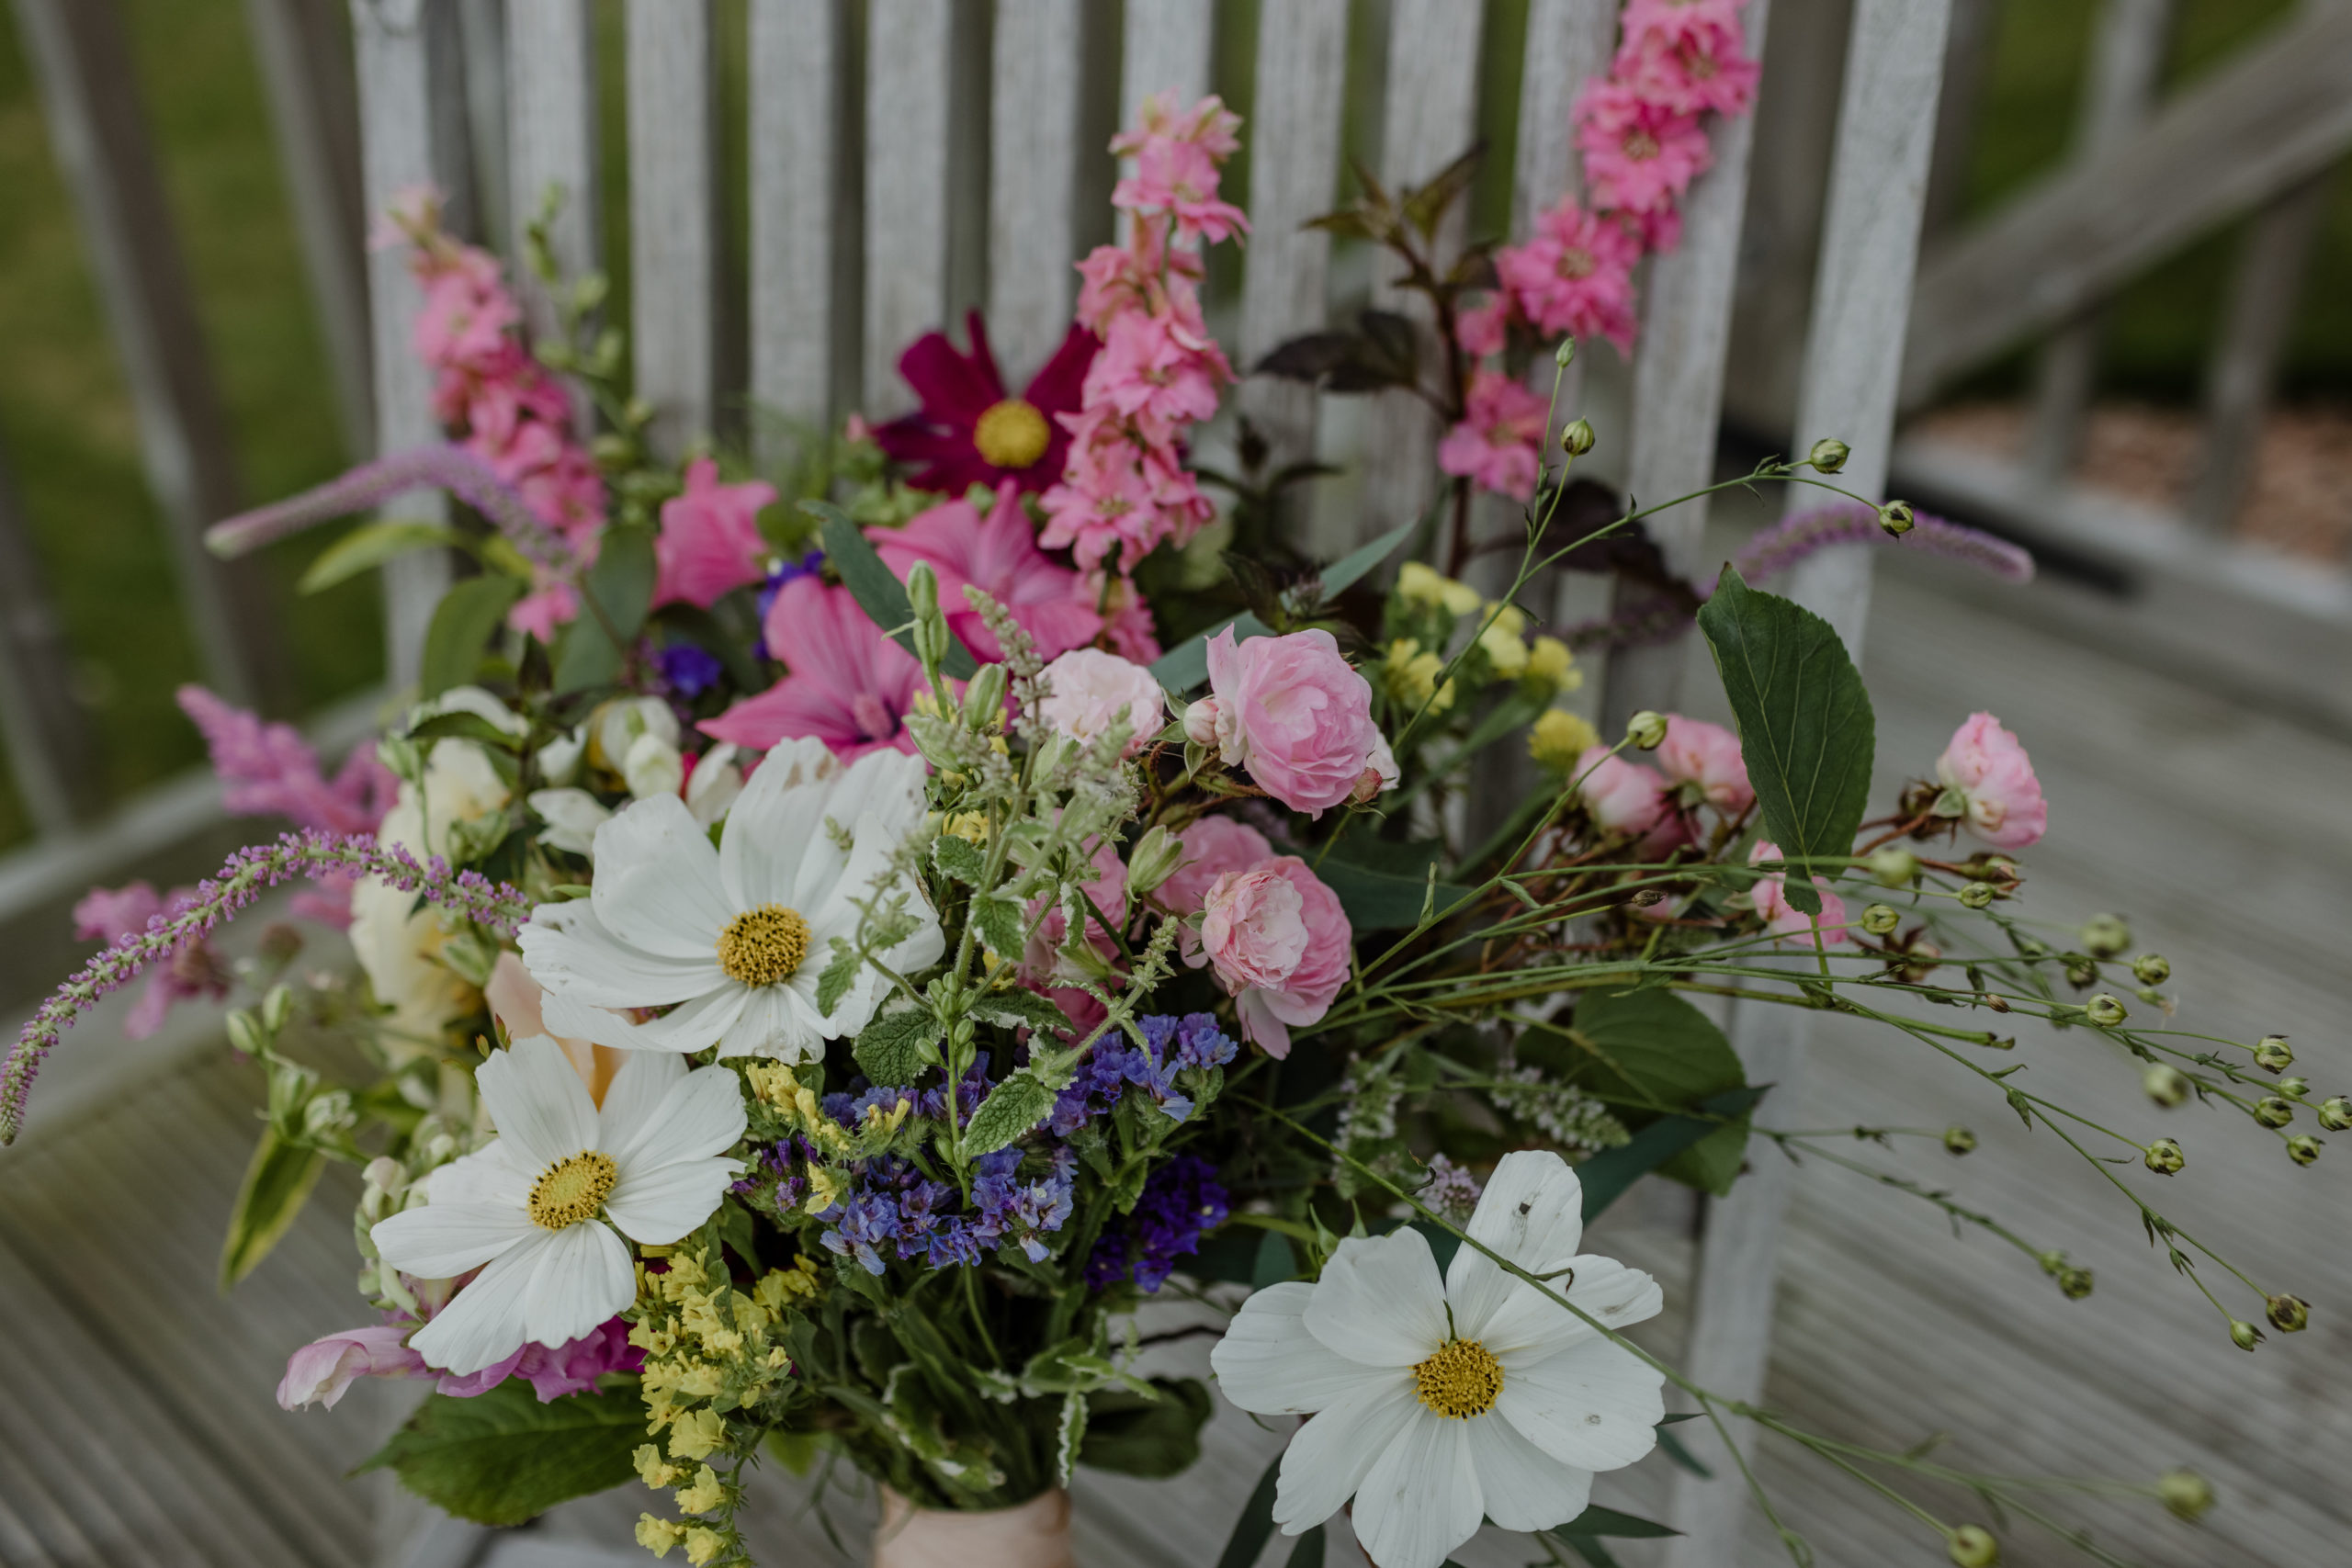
(780, 1287)
(1410, 672)
(972, 826)
(651, 1468)
(1559, 737)
(696, 1435)
(1502, 641)
(1419, 584)
(1551, 659)
(659, 1535)
(703, 1544)
(705, 1495)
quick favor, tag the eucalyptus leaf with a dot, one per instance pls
(876, 587)
(469, 614)
(278, 1179)
(501, 1458)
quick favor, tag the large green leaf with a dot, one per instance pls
(463, 624)
(503, 1457)
(1012, 1107)
(1605, 1177)
(1255, 1524)
(1649, 1048)
(1805, 727)
(370, 545)
(278, 1182)
(1343, 573)
(621, 585)
(876, 587)
(898, 1043)
(1132, 1435)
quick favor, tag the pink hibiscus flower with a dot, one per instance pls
(710, 538)
(970, 430)
(1498, 445)
(1000, 557)
(849, 685)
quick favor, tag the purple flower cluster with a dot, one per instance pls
(689, 669)
(1181, 1202)
(1171, 1045)
(894, 1210)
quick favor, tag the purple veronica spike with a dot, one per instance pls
(1780, 548)
(239, 882)
(452, 468)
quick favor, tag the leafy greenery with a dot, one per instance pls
(276, 1184)
(503, 1457)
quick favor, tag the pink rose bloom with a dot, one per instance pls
(1000, 557)
(1498, 445)
(1213, 846)
(1790, 923)
(1277, 940)
(1695, 752)
(1638, 154)
(850, 685)
(1094, 690)
(1294, 713)
(709, 541)
(1620, 796)
(1574, 274)
(322, 1371)
(1985, 764)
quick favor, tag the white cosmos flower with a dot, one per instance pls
(734, 939)
(528, 1203)
(1442, 1400)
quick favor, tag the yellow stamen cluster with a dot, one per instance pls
(1559, 737)
(1011, 434)
(763, 946)
(1462, 1378)
(572, 1189)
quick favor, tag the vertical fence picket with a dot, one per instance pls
(1167, 46)
(797, 132)
(674, 218)
(907, 91)
(89, 94)
(1968, 67)
(551, 142)
(1033, 181)
(46, 734)
(1852, 368)
(1568, 45)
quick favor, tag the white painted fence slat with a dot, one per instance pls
(552, 141)
(797, 127)
(1032, 180)
(907, 91)
(1852, 366)
(674, 218)
(1167, 46)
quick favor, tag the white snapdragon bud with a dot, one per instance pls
(652, 767)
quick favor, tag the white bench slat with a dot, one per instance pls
(796, 155)
(1033, 170)
(551, 142)
(1167, 46)
(674, 218)
(42, 727)
(907, 87)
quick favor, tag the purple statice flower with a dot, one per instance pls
(785, 572)
(1181, 1202)
(931, 1103)
(1022, 1213)
(951, 1244)
(1200, 1042)
(689, 669)
(863, 1227)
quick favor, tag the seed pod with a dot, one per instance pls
(2106, 936)
(2104, 1011)
(1881, 919)
(2151, 969)
(2167, 1086)
(1973, 1546)
(1578, 438)
(2288, 1315)
(1829, 455)
(2075, 1284)
(2273, 1112)
(2303, 1150)
(2186, 1494)
(2273, 1055)
(2335, 1113)
(2245, 1335)
(1976, 894)
(1895, 868)
(1896, 518)
(2164, 1158)
(1959, 1141)
(1647, 730)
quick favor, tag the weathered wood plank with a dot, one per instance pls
(97, 132)
(798, 139)
(1166, 47)
(1968, 63)
(2272, 117)
(1033, 181)
(551, 144)
(907, 88)
(674, 218)
(51, 755)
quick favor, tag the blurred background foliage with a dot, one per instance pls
(65, 420)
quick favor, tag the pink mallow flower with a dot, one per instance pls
(1000, 557)
(1573, 275)
(1093, 691)
(1498, 445)
(1985, 764)
(193, 970)
(1706, 755)
(848, 686)
(1294, 713)
(1277, 940)
(1639, 155)
(711, 539)
(1783, 919)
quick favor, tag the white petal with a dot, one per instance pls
(1379, 1300)
(1328, 1457)
(1525, 1488)
(630, 1099)
(698, 1115)
(772, 822)
(443, 1240)
(696, 1026)
(657, 884)
(779, 1022)
(489, 1175)
(582, 1278)
(1531, 1325)
(537, 1102)
(1531, 1213)
(659, 1204)
(1269, 1363)
(570, 953)
(483, 1322)
(1594, 1405)
(1422, 1498)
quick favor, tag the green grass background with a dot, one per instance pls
(66, 424)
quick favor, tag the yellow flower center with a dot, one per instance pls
(572, 1189)
(765, 945)
(1462, 1380)
(1011, 434)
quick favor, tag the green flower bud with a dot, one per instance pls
(245, 1032)
(1973, 1546)
(1895, 868)
(2288, 1315)
(2104, 1011)
(1565, 354)
(2273, 1112)
(922, 591)
(1976, 894)
(2185, 1492)
(2167, 1086)
(1647, 730)
(2245, 1335)
(984, 697)
(2335, 1113)
(1155, 859)
(1960, 1140)
(2303, 1150)
(2273, 1055)
(1881, 919)
(1578, 438)
(2075, 1284)
(276, 1007)
(2150, 969)
(2081, 974)
(2293, 1088)
(1052, 754)
(2164, 1158)
(1829, 455)
(2106, 936)
(1896, 518)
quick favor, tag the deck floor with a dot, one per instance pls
(136, 1426)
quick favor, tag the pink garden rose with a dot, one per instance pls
(1619, 795)
(1094, 690)
(1985, 764)
(1277, 940)
(711, 539)
(1294, 713)
(1213, 846)
(1695, 752)
(1785, 919)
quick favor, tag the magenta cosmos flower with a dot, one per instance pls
(970, 430)
(998, 555)
(847, 683)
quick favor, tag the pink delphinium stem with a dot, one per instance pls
(241, 882)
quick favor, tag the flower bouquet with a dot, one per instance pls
(822, 969)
